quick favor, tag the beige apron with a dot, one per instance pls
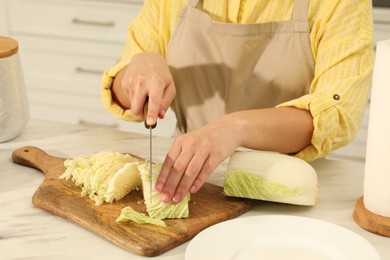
(219, 68)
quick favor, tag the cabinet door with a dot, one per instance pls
(63, 83)
(73, 67)
(381, 24)
(89, 20)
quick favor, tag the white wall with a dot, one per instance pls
(3, 18)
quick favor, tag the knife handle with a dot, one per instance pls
(146, 114)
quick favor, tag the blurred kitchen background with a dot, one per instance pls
(63, 59)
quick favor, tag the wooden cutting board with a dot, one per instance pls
(60, 197)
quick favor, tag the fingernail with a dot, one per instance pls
(150, 121)
(162, 112)
(165, 198)
(177, 198)
(159, 186)
(193, 189)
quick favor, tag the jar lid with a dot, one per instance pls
(8, 47)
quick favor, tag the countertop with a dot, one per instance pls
(27, 232)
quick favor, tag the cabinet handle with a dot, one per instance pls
(88, 71)
(79, 21)
(100, 125)
(382, 22)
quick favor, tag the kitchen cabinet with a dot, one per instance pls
(65, 45)
(381, 23)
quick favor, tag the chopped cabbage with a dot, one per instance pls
(109, 176)
(128, 213)
(124, 181)
(105, 176)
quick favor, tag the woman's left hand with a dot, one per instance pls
(194, 156)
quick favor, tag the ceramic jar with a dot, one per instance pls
(14, 110)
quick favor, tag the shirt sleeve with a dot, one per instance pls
(342, 45)
(142, 36)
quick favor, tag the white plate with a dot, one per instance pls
(278, 237)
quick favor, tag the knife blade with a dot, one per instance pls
(150, 127)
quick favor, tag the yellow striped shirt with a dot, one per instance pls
(341, 42)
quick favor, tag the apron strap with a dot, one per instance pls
(301, 9)
(193, 3)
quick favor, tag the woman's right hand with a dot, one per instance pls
(146, 76)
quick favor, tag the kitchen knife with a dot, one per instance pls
(150, 127)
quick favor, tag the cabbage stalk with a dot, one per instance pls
(271, 176)
(155, 207)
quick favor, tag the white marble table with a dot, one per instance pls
(31, 233)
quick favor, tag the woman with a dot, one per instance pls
(287, 76)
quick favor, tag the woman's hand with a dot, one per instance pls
(146, 76)
(194, 156)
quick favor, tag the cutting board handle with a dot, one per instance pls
(33, 157)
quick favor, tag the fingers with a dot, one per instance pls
(165, 171)
(206, 171)
(180, 180)
(175, 176)
(148, 76)
(168, 96)
(156, 86)
(143, 88)
(185, 169)
(137, 99)
(192, 178)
